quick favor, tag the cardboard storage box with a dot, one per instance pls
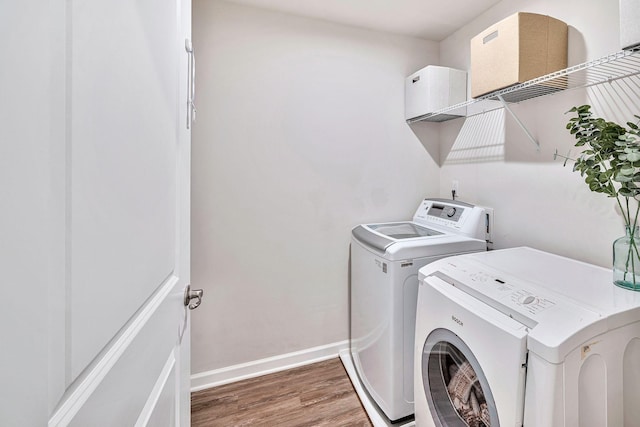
(519, 48)
(434, 88)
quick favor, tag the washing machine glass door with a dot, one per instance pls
(455, 386)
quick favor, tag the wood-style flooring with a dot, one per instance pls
(319, 394)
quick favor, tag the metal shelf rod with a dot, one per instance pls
(517, 119)
(609, 68)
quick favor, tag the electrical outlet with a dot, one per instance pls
(489, 226)
(454, 189)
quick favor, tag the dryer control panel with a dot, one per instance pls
(557, 322)
(507, 291)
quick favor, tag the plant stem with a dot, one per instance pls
(632, 244)
(627, 218)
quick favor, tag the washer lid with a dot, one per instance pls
(403, 230)
(381, 236)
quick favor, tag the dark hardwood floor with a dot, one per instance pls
(320, 394)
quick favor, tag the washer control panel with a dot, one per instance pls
(460, 217)
(442, 211)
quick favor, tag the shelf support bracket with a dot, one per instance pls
(517, 119)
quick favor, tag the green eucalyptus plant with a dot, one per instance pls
(610, 164)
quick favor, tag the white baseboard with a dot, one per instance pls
(230, 374)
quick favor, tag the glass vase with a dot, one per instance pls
(626, 260)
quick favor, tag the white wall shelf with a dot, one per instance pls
(612, 67)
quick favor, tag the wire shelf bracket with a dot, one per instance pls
(519, 122)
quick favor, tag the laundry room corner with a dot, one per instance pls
(524, 184)
(299, 137)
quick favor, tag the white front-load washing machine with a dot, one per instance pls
(521, 337)
(385, 259)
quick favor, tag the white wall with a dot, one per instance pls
(537, 202)
(300, 136)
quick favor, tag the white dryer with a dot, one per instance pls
(522, 337)
(385, 259)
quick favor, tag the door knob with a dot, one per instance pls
(192, 299)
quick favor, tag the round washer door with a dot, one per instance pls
(456, 389)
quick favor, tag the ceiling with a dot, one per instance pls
(428, 19)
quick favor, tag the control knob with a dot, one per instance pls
(527, 299)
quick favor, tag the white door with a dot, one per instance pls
(95, 167)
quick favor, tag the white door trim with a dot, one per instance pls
(88, 382)
(159, 386)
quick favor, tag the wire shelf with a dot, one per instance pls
(612, 67)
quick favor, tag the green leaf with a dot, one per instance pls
(627, 170)
(595, 186)
(611, 153)
(625, 192)
(622, 178)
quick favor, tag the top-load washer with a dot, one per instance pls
(522, 337)
(385, 259)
